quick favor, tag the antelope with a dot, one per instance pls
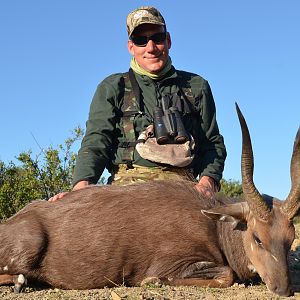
(158, 231)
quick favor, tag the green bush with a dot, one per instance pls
(231, 188)
(37, 178)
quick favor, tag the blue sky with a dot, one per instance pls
(54, 53)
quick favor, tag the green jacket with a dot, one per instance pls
(104, 128)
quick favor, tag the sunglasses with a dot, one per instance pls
(142, 41)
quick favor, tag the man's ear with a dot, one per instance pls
(237, 212)
(130, 47)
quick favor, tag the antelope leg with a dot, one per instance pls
(18, 280)
(217, 276)
(7, 279)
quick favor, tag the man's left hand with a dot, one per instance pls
(207, 186)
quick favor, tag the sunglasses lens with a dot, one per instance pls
(142, 41)
(158, 37)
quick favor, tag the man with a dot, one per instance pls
(124, 105)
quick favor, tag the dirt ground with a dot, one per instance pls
(237, 291)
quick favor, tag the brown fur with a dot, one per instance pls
(102, 236)
(110, 234)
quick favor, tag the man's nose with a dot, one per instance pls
(150, 45)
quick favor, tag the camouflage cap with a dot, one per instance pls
(143, 15)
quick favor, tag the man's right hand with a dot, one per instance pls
(79, 185)
(57, 196)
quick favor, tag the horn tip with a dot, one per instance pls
(236, 106)
(297, 138)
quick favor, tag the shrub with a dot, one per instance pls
(231, 188)
(37, 178)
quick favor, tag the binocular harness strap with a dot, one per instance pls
(130, 110)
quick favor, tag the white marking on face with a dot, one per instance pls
(12, 260)
(5, 268)
(275, 258)
(252, 247)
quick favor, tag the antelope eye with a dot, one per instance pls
(257, 240)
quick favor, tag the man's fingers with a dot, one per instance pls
(204, 190)
(57, 197)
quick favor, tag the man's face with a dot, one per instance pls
(153, 56)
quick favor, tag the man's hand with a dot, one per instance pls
(79, 185)
(207, 186)
(57, 196)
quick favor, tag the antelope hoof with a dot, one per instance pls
(21, 282)
(151, 280)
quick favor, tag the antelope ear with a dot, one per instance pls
(228, 213)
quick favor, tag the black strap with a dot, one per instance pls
(127, 144)
(135, 87)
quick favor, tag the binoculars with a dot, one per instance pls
(168, 126)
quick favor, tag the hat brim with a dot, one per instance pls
(145, 22)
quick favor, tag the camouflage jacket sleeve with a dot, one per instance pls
(95, 150)
(211, 151)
